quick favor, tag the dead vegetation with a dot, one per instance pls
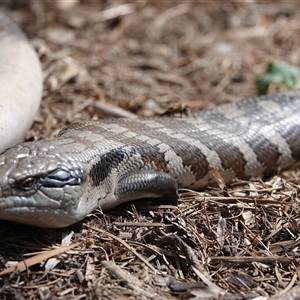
(112, 59)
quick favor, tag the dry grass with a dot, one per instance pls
(235, 243)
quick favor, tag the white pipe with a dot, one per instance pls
(20, 84)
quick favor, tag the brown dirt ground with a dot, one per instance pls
(141, 56)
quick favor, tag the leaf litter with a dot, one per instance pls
(119, 59)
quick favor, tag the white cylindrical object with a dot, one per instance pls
(20, 83)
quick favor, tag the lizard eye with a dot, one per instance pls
(27, 184)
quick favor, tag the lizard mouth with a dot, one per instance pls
(38, 216)
(19, 204)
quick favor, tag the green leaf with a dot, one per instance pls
(277, 72)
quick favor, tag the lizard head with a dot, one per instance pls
(40, 186)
